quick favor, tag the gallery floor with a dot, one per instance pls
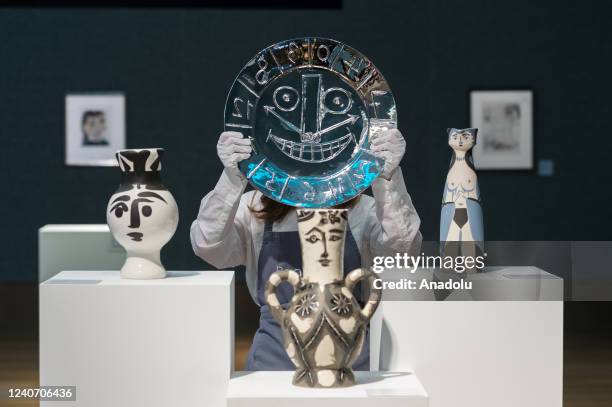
(587, 367)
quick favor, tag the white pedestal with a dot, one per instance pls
(483, 353)
(77, 247)
(379, 389)
(127, 343)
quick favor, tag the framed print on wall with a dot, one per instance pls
(505, 129)
(95, 128)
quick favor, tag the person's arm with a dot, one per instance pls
(396, 225)
(219, 233)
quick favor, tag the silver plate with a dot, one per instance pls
(310, 107)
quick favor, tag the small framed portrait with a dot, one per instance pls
(505, 129)
(95, 128)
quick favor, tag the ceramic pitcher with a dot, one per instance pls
(324, 327)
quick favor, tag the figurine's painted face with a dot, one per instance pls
(322, 235)
(141, 218)
(461, 140)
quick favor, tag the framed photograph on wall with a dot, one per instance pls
(95, 128)
(505, 129)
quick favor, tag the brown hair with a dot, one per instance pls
(273, 211)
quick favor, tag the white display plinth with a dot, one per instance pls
(483, 353)
(77, 247)
(127, 343)
(379, 389)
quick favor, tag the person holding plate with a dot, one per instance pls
(234, 228)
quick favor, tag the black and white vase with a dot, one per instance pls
(142, 214)
(324, 327)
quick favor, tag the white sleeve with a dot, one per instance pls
(219, 234)
(395, 228)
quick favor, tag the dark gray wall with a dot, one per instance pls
(176, 65)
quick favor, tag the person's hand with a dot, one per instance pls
(390, 146)
(232, 148)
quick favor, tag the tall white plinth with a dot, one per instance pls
(483, 353)
(130, 343)
(274, 389)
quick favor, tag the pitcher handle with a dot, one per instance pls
(274, 281)
(356, 276)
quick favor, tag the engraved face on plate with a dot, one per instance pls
(310, 106)
(311, 117)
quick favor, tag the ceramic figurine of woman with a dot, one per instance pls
(142, 214)
(324, 327)
(461, 227)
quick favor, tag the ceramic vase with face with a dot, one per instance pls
(461, 227)
(142, 214)
(324, 327)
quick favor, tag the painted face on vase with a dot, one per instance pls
(322, 234)
(140, 217)
(462, 139)
(142, 213)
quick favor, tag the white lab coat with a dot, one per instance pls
(226, 234)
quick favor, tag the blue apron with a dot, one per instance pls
(282, 250)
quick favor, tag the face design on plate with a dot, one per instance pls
(462, 139)
(140, 217)
(311, 117)
(309, 106)
(322, 235)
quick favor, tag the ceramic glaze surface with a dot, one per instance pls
(142, 214)
(324, 327)
(461, 226)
